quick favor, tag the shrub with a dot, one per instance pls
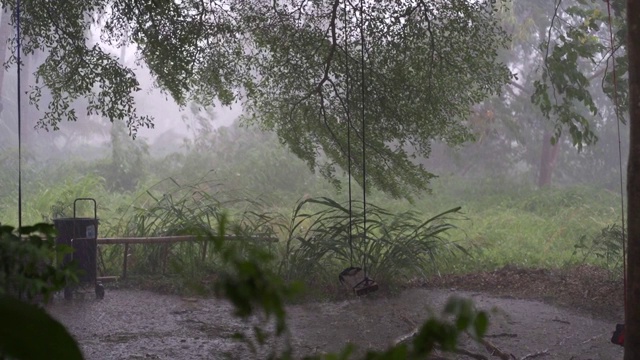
(394, 246)
(29, 268)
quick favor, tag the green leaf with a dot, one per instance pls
(28, 332)
(481, 324)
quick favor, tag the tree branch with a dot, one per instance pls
(332, 49)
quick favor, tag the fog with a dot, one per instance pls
(512, 142)
(206, 205)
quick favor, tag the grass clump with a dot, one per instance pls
(324, 237)
(314, 241)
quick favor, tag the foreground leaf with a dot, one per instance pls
(28, 332)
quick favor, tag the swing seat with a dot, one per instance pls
(356, 280)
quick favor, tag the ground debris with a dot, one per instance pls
(157, 324)
(584, 288)
(535, 355)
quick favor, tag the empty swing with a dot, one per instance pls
(354, 278)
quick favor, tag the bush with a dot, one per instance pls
(328, 238)
(29, 261)
(603, 248)
(29, 272)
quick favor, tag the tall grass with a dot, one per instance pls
(502, 221)
(511, 223)
(324, 236)
(319, 238)
(171, 208)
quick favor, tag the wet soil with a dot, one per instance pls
(540, 314)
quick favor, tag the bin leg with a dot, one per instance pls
(99, 291)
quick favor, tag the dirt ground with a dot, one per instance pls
(540, 314)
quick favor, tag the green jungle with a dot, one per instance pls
(446, 140)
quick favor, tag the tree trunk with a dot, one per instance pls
(632, 311)
(548, 159)
(632, 308)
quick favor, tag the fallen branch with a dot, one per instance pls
(501, 335)
(591, 339)
(495, 351)
(470, 354)
(488, 345)
(406, 337)
(491, 348)
(535, 355)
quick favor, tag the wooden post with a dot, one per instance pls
(632, 308)
(165, 256)
(204, 250)
(124, 261)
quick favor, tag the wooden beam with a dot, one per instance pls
(126, 241)
(174, 239)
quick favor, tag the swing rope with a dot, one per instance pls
(364, 167)
(352, 275)
(347, 108)
(19, 90)
(615, 101)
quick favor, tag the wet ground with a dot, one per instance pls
(134, 324)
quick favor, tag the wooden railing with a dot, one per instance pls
(126, 241)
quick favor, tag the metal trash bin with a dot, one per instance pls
(81, 233)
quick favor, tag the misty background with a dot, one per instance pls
(94, 157)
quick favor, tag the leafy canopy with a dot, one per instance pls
(296, 66)
(583, 43)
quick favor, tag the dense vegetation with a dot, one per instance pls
(419, 100)
(268, 191)
(265, 190)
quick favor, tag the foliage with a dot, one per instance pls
(128, 160)
(28, 332)
(188, 208)
(460, 316)
(29, 268)
(514, 223)
(512, 132)
(548, 221)
(252, 288)
(402, 245)
(605, 247)
(395, 245)
(29, 272)
(294, 67)
(416, 84)
(249, 158)
(581, 32)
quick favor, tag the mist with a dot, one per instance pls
(424, 158)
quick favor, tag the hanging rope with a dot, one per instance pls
(364, 159)
(615, 102)
(18, 57)
(356, 278)
(346, 67)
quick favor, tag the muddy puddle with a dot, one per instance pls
(131, 324)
